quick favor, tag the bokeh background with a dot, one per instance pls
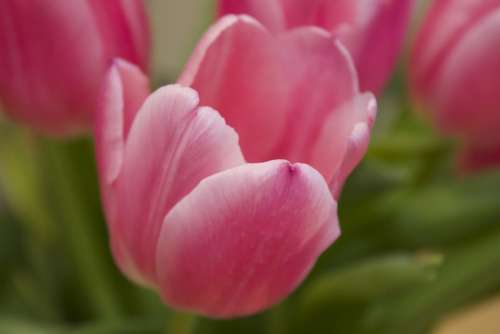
(420, 251)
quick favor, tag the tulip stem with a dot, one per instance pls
(180, 323)
(20, 180)
(77, 224)
(278, 319)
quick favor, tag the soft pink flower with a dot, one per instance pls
(455, 67)
(372, 30)
(54, 55)
(220, 225)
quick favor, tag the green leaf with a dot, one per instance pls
(370, 279)
(446, 213)
(468, 273)
(21, 326)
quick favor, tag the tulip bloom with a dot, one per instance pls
(221, 225)
(372, 30)
(55, 55)
(455, 72)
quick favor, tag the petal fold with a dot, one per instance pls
(235, 69)
(124, 91)
(245, 238)
(276, 91)
(344, 139)
(172, 145)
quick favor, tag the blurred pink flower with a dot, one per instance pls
(54, 55)
(455, 72)
(221, 227)
(372, 30)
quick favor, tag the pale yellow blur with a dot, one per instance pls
(482, 319)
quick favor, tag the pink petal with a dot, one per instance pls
(372, 30)
(468, 87)
(474, 158)
(344, 139)
(322, 78)
(376, 38)
(55, 55)
(124, 30)
(245, 238)
(228, 69)
(125, 89)
(172, 145)
(326, 14)
(268, 12)
(445, 24)
(276, 91)
(279, 15)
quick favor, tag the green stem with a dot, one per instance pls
(278, 319)
(82, 240)
(180, 323)
(21, 182)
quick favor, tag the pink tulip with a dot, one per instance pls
(372, 30)
(54, 55)
(219, 225)
(455, 72)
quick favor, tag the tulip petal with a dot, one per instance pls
(376, 38)
(473, 158)
(326, 14)
(245, 238)
(125, 89)
(123, 28)
(55, 54)
(344, 139)
(172, 145)
(324, 79)
(268, 12)
(444, 25)
(235, 70)
(46, 79)
(468, 86)
(276, 91)
(372, 30)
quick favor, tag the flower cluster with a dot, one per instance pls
(220, 191)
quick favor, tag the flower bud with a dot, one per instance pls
(455, 67)
(55, 54)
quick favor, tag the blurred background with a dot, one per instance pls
(420, 251)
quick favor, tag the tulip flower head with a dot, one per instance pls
(221, 191)
(372, 30)
(55, 55)
(454, 70)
